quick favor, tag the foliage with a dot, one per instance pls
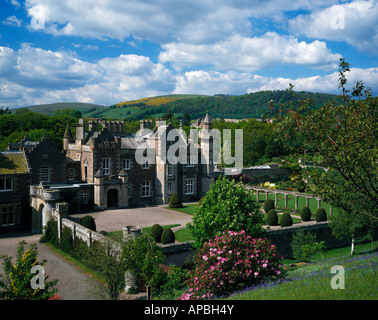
(173, 283)
(104, 259)
(231, 262)
(320, 215)
(142, 256)
(272, 218)
(343, 137)
(156, 231)
(304, 245)
(167, 236)
(88, 222)
(175, 201)
(226, 206)
(16, 284)
(286, 220)
(305, 214)
(268, 205)
(301, 186)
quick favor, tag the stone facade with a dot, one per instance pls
(107, 158)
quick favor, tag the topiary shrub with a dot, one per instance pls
(286, 220)
(301, 186)
(156, 231)
(168, 236)
(88, 222)
(268, 205)
(306, 214)
(272, 218)
(175, 201)
(320, 215)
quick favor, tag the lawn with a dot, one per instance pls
(187, 208)
(313, 281)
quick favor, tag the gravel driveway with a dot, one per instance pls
(75, 284)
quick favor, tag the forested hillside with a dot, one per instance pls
(252, 105)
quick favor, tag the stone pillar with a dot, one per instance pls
(61, 211)
(130, 233)
(276, 199)
(307, 202)
(286, 199)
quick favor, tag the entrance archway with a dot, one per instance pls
(112, 198)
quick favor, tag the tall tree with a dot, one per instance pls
(344, 137)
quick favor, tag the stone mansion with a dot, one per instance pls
(98, 169)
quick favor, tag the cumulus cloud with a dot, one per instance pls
(34, 75)
(250, 54)
(212, 82)
(355, 23)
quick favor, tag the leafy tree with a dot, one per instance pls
(104, 258)
(344, 138)
(16, 283)
(142, 257)
(225, 207)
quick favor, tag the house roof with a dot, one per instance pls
(13, 163)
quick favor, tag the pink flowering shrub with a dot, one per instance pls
(231, 262)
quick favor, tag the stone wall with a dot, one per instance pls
(282, 236)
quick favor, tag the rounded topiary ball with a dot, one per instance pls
(268, 205)
(168, 236)
(175, 201)
(272, 218)
(286, 220)
(321, 215)
(156, 231)
(88, 222)
(306, 214)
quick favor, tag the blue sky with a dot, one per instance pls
(110, 51)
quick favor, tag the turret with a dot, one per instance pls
(67, 138)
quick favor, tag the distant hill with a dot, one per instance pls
(252, 105)
(49, 109)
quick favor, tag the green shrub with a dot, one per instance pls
(175, 201)
(167, 236)
(321, 215)
(156, 231)
(304, 246)
(286, 220)
(301, 186)
(268, 205)
(200, 201)
(88, 222)
(272, 218)
(306, 214)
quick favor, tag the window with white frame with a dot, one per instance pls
(7, 216)
(45, 174)
(84, 197)
(169, 186)
(105, 166)
(145, 164)
(6, 184)
(170, 169)
(146, 188)
(189, 186)
(71, 174)
(126, 164)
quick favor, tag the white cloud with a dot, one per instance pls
(211, 82)
(33, 75)
(250, 54)
(12, 21)
(355, 23)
